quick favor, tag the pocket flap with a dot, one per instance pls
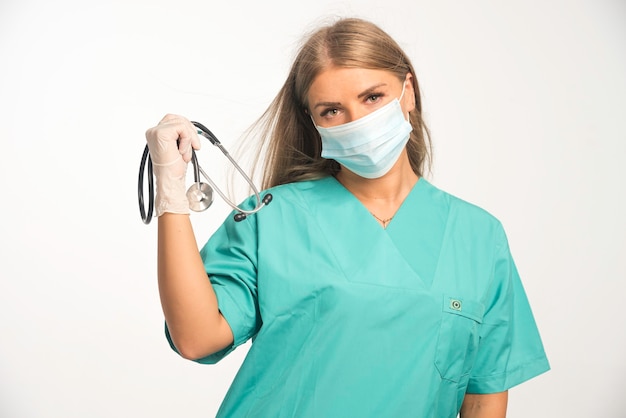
(464, 307)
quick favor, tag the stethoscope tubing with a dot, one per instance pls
(146, 163)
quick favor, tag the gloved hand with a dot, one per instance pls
(170, 144)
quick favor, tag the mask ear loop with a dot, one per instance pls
(408, 117)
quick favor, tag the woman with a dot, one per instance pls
(368, 292)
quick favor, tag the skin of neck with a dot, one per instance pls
(383, 195)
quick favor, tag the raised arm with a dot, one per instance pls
(189, 304)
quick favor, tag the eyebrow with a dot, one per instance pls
(366, 92)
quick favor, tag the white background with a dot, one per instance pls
(525, 100)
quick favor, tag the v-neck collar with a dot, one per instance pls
(412, 242)
(364, 251)
(363, 210)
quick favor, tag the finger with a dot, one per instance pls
(187, 135)
(178, 128)
(195, 139)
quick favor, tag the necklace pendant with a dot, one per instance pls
(384, 222)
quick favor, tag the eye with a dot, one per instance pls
(374, 97)
(330, 112)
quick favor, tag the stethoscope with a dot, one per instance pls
(200, 195)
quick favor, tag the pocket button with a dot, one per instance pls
(456, 304)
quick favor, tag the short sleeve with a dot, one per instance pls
(230, 260)
(510, 348)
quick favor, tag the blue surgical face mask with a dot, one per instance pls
(371, 145)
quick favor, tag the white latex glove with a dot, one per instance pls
(169, 161)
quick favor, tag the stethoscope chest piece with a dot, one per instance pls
(200, 196)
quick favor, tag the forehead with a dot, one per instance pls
(334, 82)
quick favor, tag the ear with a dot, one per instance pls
(408, 100)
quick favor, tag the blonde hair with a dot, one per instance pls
(289, 141)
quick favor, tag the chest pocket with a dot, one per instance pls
(457, 343)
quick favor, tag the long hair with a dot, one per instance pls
(289, 142)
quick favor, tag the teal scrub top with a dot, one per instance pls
(352, 320)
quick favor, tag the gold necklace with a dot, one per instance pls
(385, 222)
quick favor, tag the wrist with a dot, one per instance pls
(171, 192)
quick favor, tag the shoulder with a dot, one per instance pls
(291, 200)
(303, 193)
(463, 213)
(290, 192)
(302, 187)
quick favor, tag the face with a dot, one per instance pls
(341, 95)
